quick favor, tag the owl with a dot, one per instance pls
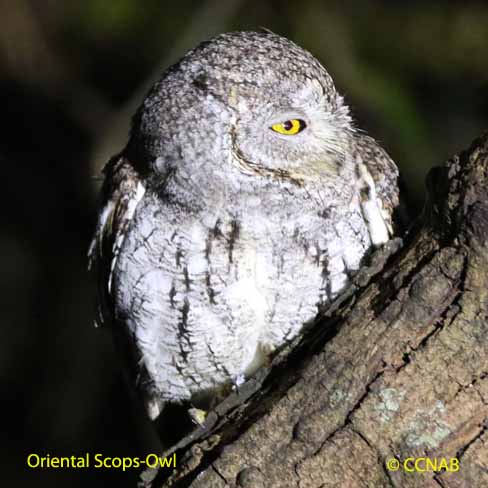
(243, 202)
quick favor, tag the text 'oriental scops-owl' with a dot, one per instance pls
(243, 202)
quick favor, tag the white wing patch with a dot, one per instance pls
(375, 216)
(131, 201)
(103, 222)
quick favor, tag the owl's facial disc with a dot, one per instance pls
(292, 127)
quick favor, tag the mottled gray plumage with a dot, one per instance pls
(220, 237)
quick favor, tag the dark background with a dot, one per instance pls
(71, 74)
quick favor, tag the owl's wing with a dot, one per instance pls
(379, 187)
(121, 192)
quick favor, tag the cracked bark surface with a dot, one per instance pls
(397, 367)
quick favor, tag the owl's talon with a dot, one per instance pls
(238, 381)
(197, 415)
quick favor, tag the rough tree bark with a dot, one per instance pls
(396, 368)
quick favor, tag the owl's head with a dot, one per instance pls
(253, 100)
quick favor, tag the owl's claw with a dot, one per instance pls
(197, 415)
(238, 381)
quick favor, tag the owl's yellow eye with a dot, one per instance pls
(289, 127)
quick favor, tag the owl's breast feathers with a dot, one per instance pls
(199, 301)
(123, 188)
